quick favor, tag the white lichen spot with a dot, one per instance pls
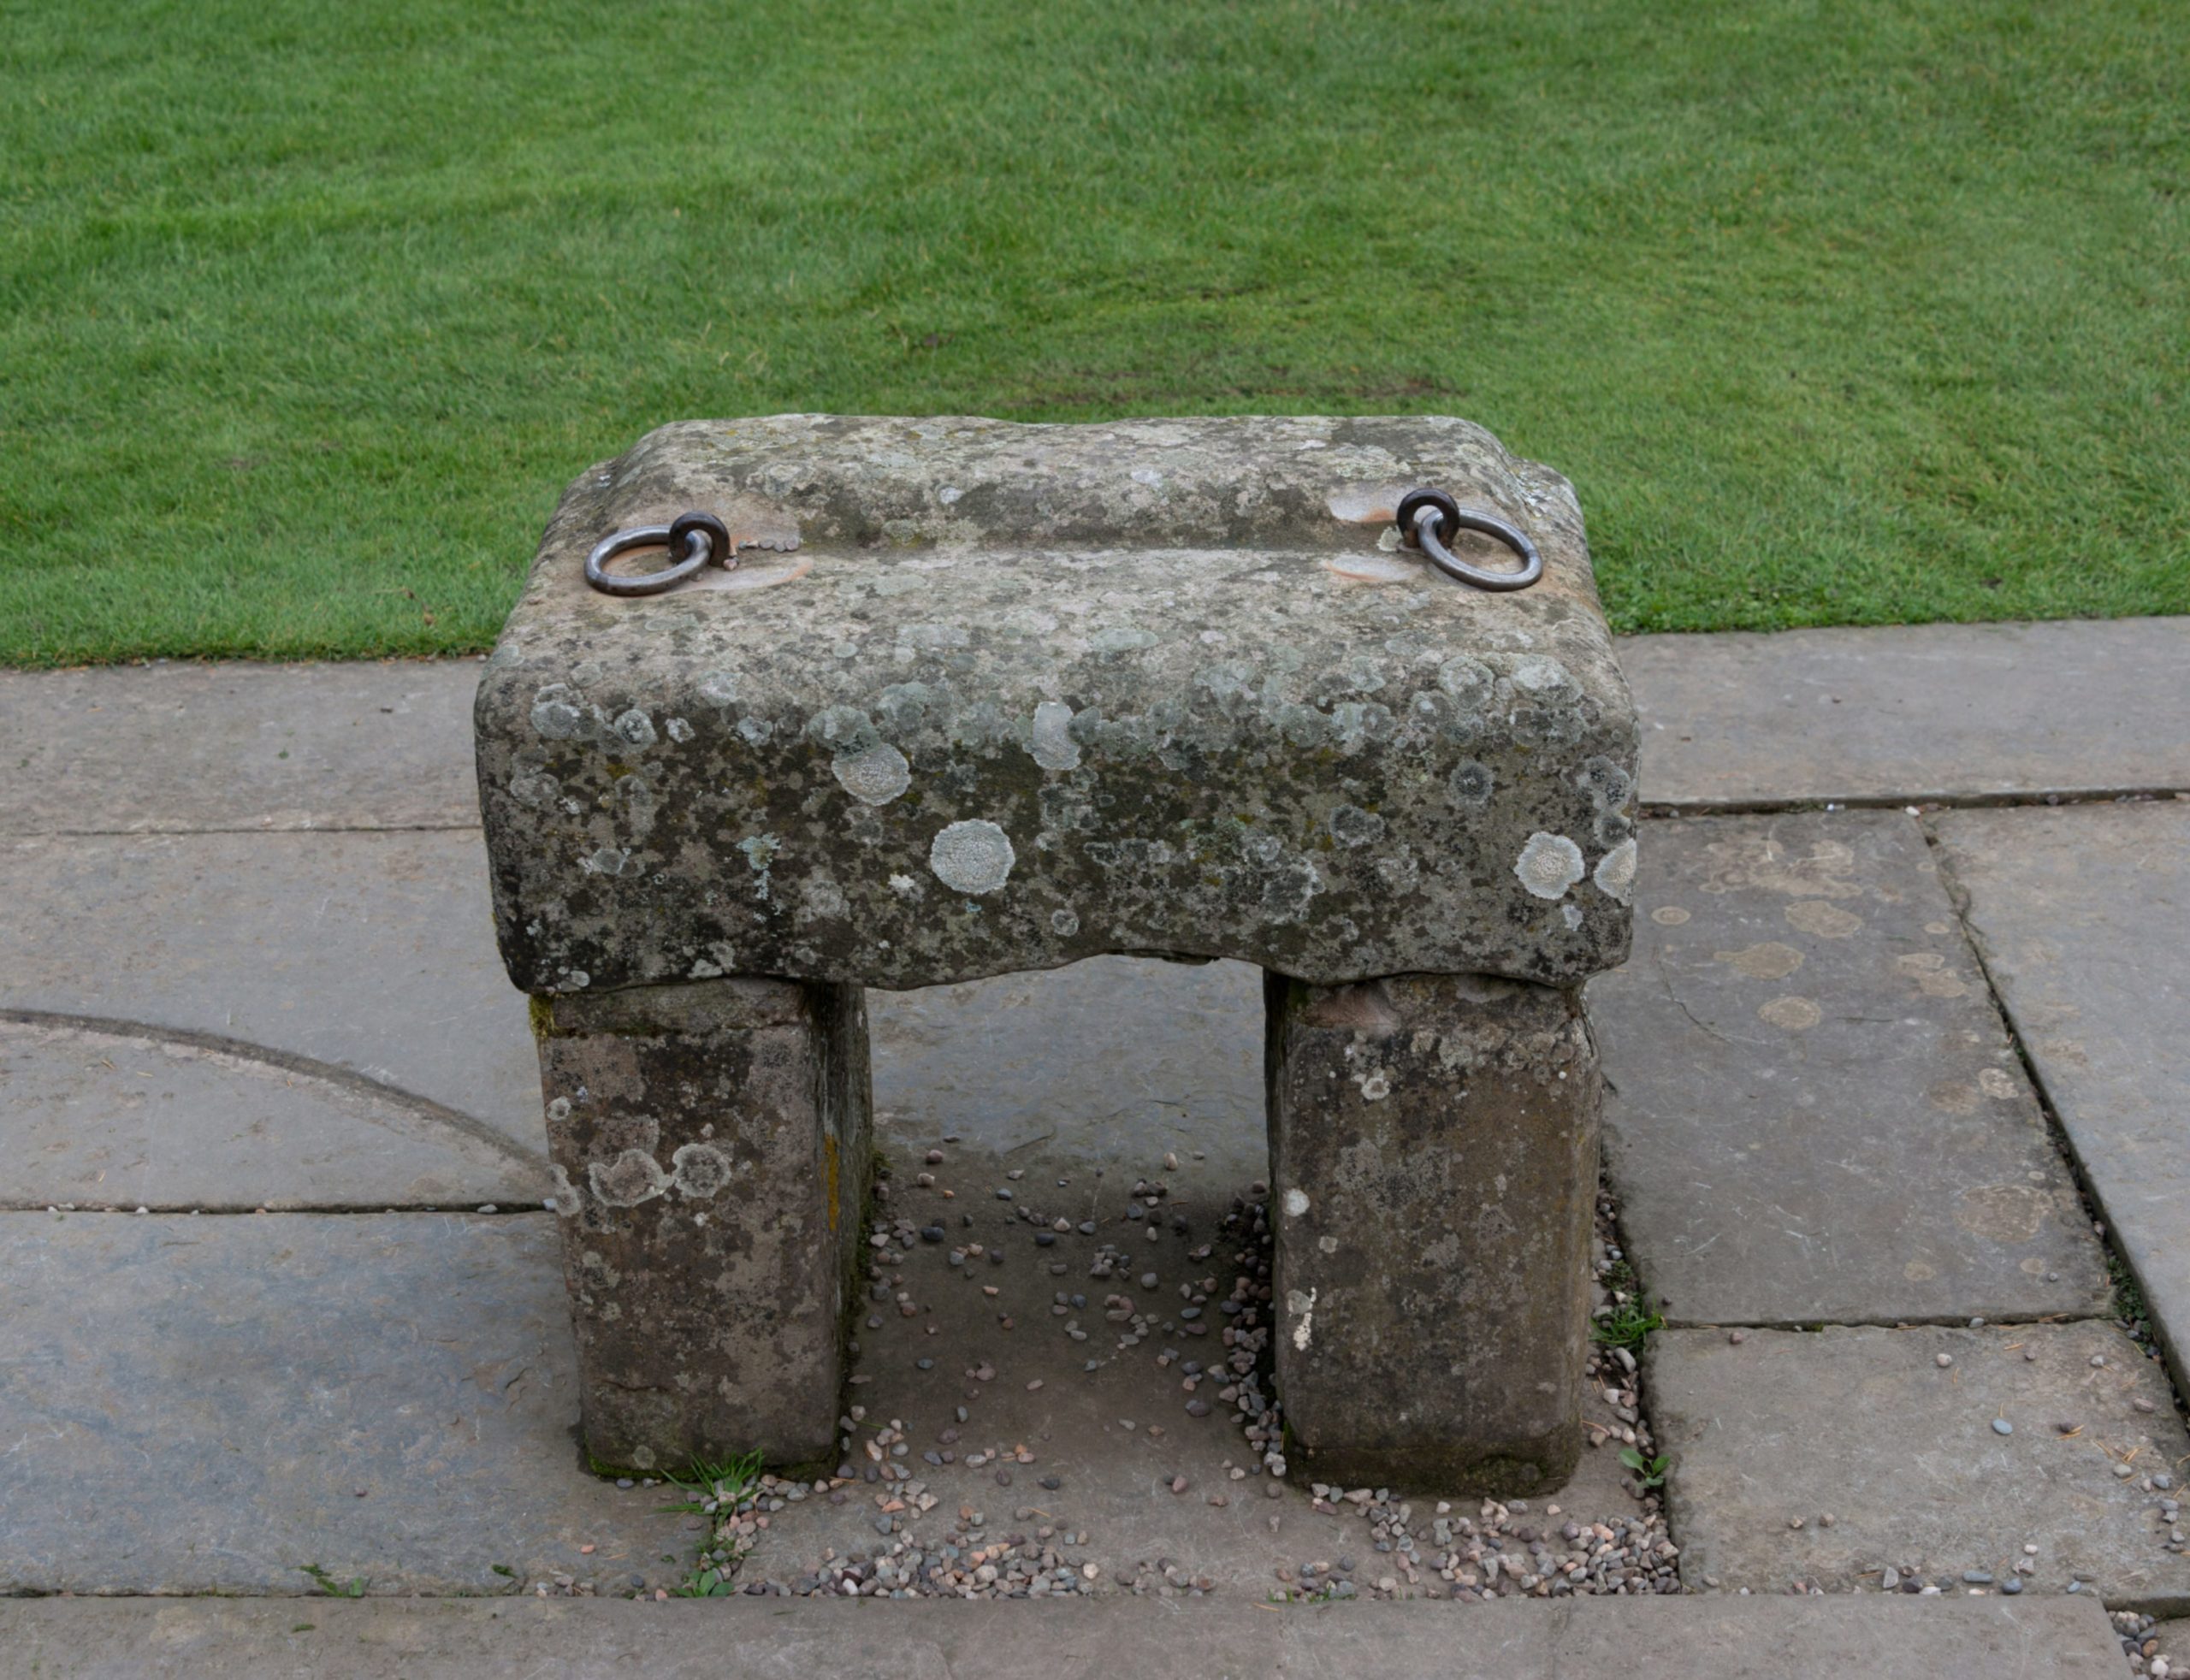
(1469, 681)
(576, 980)
(632, 1177)
(1122, 639)
(719, 688)
(1051, 740)
(558, 1112)
(949, 493)
(754, 729)
(1065, 923)
(821, 900)
(1351, 826)
(1327, 1244)
(635, 728)
(1549, 865)
(1147, 476)
(874, 776)
(680, 729)
(565, 1201)
(535, 789)
(1302, 1307)
(610, 860)
(760, 851)
(1470, 785)
(700, 1170)
(1537, 674)
(556, 713)
(974, 857)
(906, 887)
(1615, 872)
(1791, 1015)
(1296, 1203)
(1375, 1087)
(1572, 915)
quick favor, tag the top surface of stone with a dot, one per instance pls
(1026, 693)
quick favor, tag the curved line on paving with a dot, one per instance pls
(358, 1084)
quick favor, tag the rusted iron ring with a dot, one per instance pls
(702, 536)
(1428, 518)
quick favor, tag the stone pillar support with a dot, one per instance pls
(1433, 1175)
(712, 1145)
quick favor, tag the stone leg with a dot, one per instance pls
(1434, 1177)
(712, 1149)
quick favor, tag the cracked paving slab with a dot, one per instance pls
(2084, 917)
(1816, 1114)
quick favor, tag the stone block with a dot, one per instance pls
(1433, 1175)
(1772, 1436)
(1029, 694)
(712, 1145)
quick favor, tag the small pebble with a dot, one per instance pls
(2002, 1427)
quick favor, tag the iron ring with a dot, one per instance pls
(698, 545)
(1426, 518)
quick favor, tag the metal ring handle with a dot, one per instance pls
(698, 545)
(1427, 518)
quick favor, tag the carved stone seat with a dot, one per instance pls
(1020, 696)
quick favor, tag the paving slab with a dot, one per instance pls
(2083, 916)
(208, 1405)
(1817, 1113)
(1105, 1409)
(1773, 1434)
(178, 746)
(1714, 1638)
(1911, 714)
(1150, 1056)
(365, 957)
(98, 1119)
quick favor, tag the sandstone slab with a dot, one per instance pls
(1113, 1059)
(1817, 1116)
(2083, 915)
(1908, 713)
(1771, 1435)
(364, 959)
(210, 1405)
(1027, 694)
(1113, 1412)
(1657, 1639)
(98, 1118)
(170, 747)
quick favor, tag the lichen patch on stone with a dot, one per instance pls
(1615, 872)
(874, 776)
(973, 857)
(1549, 865)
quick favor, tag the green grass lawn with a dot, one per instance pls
(1836, 310)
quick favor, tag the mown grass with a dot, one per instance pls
(1846, 313)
